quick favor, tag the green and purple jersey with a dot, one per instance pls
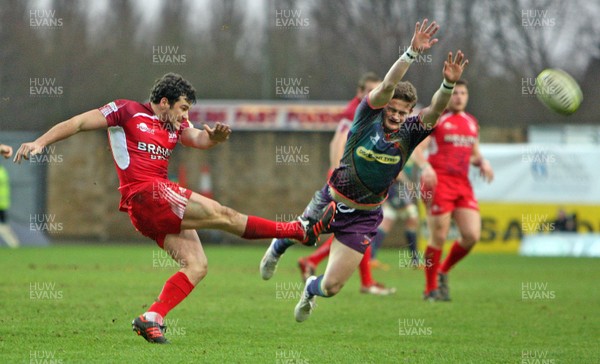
(373, 157)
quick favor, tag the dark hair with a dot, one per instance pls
(462, 82)
(405, 91)
(172, 86)
(367, 77)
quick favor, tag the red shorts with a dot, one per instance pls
(449, 194)
(156, 209)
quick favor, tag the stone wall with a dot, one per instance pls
(269, 174)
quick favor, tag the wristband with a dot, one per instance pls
(409, 56)
(447, 87)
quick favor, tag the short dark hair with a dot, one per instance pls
(367, 77)
(172, 86)
(405, 91)
(462, 82)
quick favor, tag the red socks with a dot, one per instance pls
(259, 228)
(364, 269)
(457, 252)
(321, 253)
(174, 291)
(432, 262)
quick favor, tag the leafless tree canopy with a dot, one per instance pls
(234, 49)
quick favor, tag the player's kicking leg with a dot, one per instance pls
(185, 248)
(343, 261)
(468, 222)
(204, 213)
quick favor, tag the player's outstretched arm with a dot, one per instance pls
(6, 150)
(453, 69)
(89, 120)
(421, 41)
(206, 138)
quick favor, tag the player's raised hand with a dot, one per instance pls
(219, 133)
(422, 38)
(26, 150)
(453, 68)
(6, 151)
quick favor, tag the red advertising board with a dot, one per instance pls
(317, 116)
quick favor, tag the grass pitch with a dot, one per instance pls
(74, 304)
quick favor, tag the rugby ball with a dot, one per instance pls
(558, 91)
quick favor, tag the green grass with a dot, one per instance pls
(235, 317)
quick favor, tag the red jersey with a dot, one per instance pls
(347, 116)
(452, 143)
(346, 119)
(141, 144)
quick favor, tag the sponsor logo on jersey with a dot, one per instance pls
(156, 151)
(108, 109)
(344, 209)
(375, 139)
(172, 137)
(371, 156)
(449, 125)
(460, 140)
(144, 128)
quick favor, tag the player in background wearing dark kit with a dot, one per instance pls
(308, 265)
(447, 191)
(381, 139)
(142, 138)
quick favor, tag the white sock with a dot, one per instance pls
(153, 316)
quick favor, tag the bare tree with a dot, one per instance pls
(526, 36)
(18, 52)
(219, 62)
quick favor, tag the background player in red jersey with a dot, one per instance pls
(452, 146)
(308, 265)
(366, 83)
(142, 137)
